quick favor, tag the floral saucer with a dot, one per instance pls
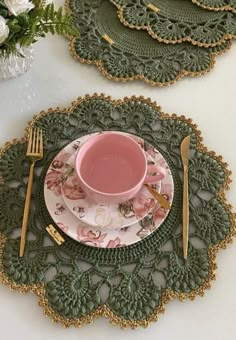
(100, 215)
(58, 173)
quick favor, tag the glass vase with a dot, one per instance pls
(14, 65)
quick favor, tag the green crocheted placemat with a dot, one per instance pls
(217, 5)
(76, 283)
(172, 21)
(123, 54)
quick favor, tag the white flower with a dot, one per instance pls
(17, 7)
(4, 29)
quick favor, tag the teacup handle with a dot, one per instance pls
(159, 171)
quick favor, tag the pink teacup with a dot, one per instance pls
(112, 168)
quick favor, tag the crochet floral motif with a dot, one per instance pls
(138, 114)
(177, 21)
(76, 282)
(135, 297)
(172, 131)
(53, 128)
(131, 54)
(14, 160)
(187, 276)
(207, 172)
(73, 294)
(30, 269)
(90, 113)
(212, 223)
(11, 213)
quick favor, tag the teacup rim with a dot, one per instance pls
(133, 188)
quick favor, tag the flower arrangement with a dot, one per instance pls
(22, 22)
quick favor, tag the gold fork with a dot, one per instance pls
(34, 153)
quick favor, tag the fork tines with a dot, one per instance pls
(35, 144)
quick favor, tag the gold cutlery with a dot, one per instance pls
(184, 148)
(161, 199)
(34, 153)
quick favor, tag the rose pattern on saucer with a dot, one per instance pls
(138, 207)
(90, 237)
(54, 177)
(104, 237)
(72, 188)
(96, 238)
(60, 209)
(53, 181)
(115, 243)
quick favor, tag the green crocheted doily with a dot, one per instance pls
(130, 285)
(174, 21)
(133, 55)
(217, 5)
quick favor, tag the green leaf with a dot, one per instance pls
(3, 12)
(59, 14)
(12, 22)
(52, 29)
(51, 11)
(34, 27)
(45, 15)
(16, 28)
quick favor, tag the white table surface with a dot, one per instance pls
(56, 80)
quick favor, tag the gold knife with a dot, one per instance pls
(184, 148)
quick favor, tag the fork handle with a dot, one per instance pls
(185, 214)
(26, 210)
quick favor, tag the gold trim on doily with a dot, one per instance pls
(227, 36)
(223, 8)
(168, 295)
(102, 69)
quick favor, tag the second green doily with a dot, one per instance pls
(172, 21)
(122, 54)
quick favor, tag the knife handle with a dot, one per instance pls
(185, 213)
